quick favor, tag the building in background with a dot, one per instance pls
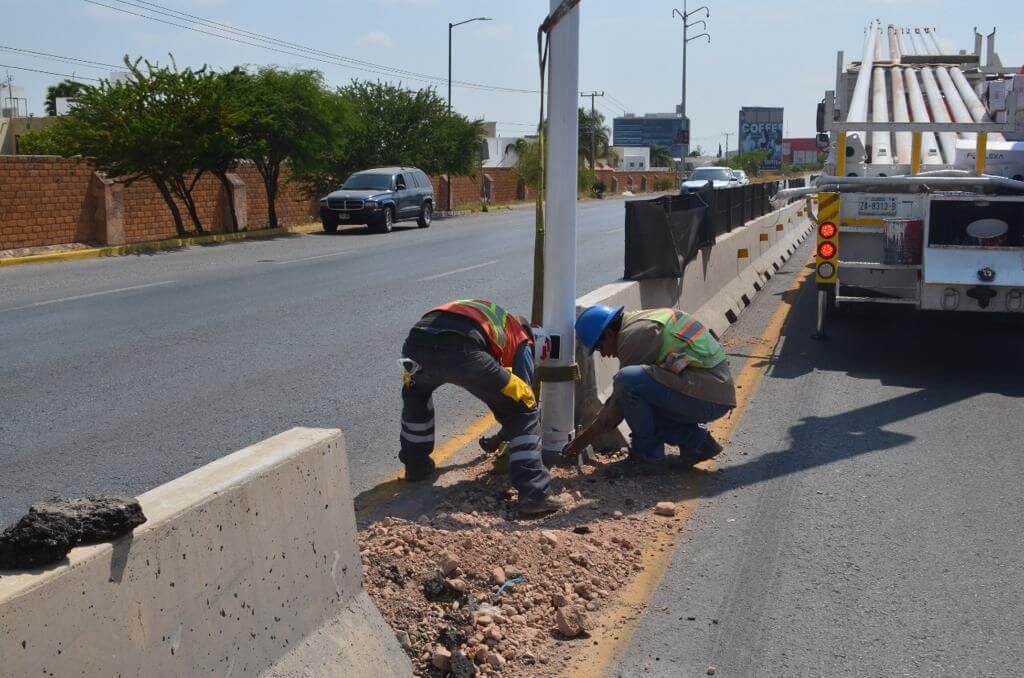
(801, 151)
(13, 103)
(653, 129)
(635, 158)
(12, 129)
(761, 130)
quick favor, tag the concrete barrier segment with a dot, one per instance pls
(716, 287)
(247, 566)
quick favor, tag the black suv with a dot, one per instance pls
(379, 198)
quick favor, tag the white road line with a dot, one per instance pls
(615, 230)
(458, 270)
(87, 296)
(315, 256)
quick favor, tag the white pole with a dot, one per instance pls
(881, 149)
(933, 34)
(974, 105)
(858, 111)
(899, 41)
(894, 48)
(557, 422)
(929, 46)
(955, 101)
(947, 140)
(904, 140)
(929, 147)
(911, 45)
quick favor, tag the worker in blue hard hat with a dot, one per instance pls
(674, 377)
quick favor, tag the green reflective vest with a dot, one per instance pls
(685, 342)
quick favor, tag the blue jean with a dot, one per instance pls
(658, 415)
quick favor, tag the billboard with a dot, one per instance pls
(761, 130)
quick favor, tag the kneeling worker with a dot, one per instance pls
(489, 352)
(674, 376)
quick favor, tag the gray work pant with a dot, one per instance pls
(450, 359)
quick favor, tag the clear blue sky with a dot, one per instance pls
(762, 53)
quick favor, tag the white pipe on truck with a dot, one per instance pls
(929, 46)
(978, 111)
(858, 110)
(894, 48)
(904, 140)
(911, 45)
(881, 148)
(878, 43)
(947, 140)
(955, 101)
(900, 43)
(929, 146)
(557, 423)
(933, 34)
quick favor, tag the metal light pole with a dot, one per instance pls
(685, 16)
(561, 176)
(450, 27)
(593, 129)
(725, 158)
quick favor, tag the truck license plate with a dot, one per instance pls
(876, 206)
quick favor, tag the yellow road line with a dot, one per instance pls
(391, 487)
(615, 628)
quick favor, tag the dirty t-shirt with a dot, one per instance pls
(639, 344)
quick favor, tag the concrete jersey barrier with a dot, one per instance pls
(247, 566)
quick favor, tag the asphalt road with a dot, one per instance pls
(117, 375)
(867, 518)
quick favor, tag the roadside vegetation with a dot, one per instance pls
(172, 126)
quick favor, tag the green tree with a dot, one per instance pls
(64, 88)
(719, 151)
(750, 162)
(283, 116)
(592, 132)
(661, 156)
(142, 128)
(527, 169)
(696, 152)
(388, 125)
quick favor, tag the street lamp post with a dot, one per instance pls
(450, 27)
(685, 16)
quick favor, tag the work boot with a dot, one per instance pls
(546, 504)
(632, 467)
(419, 470)
(709, 449)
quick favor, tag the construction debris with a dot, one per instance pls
(665, 508)
(52, 528)
(555, 581)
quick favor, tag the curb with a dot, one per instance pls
(156, 245)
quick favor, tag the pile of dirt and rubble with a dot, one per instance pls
(470, 589)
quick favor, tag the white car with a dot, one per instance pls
(741, 177)
(720, 177)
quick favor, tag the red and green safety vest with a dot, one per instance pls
(685, 342)
(504, 332)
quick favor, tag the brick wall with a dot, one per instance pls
(46, 200)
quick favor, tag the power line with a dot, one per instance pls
(56, 57)
(291, 49)
(36, 70)
(618, 103)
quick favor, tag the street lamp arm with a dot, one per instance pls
(702, 35)
(479, 18)
(699, 21)
(707, 12)
(676, 12)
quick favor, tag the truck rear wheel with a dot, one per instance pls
(826, 309)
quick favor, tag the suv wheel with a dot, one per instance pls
(387, 220)
(426, 214)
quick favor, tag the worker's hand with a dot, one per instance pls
(574, 447)
(490, 444)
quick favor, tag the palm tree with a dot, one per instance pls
(65, 88)
(661, 156)
(593, 135)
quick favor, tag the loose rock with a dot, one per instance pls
(571, 621)
(441, 659)
(665, 508)
(549, 537)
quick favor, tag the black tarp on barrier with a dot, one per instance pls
(663, 235)
(666, 233)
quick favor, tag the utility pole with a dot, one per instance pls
(685, 16)
(557, 372)
(727, 135)
(593, 128)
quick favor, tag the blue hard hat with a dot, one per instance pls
(592, 322)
